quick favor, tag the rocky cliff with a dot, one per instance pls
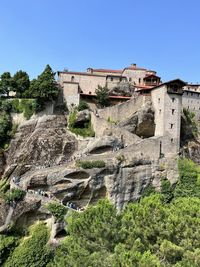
(44, 156)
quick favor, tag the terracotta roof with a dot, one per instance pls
(107, 70)
(133, 68)
(81, 73)
(166, 83)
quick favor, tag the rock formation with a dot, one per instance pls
(44, 155)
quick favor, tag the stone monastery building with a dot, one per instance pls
(168, 98)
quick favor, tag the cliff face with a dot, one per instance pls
(44, 154)
(40, 143)
(2, 162)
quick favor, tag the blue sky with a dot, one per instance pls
(157, 34)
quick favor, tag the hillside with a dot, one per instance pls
(94, 186)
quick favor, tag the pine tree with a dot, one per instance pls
(44, 87)
(102, 96)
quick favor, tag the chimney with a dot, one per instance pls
(90, 70)
(133, 65)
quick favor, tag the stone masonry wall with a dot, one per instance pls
(122, 111)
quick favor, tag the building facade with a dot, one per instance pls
(167, 98)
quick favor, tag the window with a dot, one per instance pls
(72, 79)
(111, 79)
(173, 110)
(158, 100)
(172, 140)
(90, 93)
(130, 79)
(171, 126)
(159, 111)
(139, 80)
(173, 99)
(191, 94)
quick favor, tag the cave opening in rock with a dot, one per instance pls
(101, 150)
(77, 175)
(62, 233)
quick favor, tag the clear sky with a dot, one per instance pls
(163, 35)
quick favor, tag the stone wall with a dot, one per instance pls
(167, 118)
(191, 102)
(122, 111)
(103, 127)
(87, 82)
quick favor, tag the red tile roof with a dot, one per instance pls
(107, 70)
(133, 68)
(81, 73)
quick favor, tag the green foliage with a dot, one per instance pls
(86, 131)
(72, 118)
(57, 210)
(148, 233)
(14, 194)
(121, 158)
(5, 105)
(20, 83)
(32, 250)
(4, 186)
(111, 121)
(5, 83)
(5, 127)
(167, 191)
(148, 190)
(86, 164)
(7, 245)
(93, 235)
(26, 106)
(82, 105)
(44, 88)
(190, 120)
(188, 185)
(102, 98)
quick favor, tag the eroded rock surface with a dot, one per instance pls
(141, 122)
(41, 142)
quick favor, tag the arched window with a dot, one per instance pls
(72, 79)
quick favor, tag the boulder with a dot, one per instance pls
(41, 142)
(122, 89)
(82, 117)
(141, 122)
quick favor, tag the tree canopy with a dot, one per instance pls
(5, 83)
(45, 86)
(102, 96)
(20, 83)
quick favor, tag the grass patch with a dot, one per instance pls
(89, 164)
(57, 210)
(14, 194)
(86, 131)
